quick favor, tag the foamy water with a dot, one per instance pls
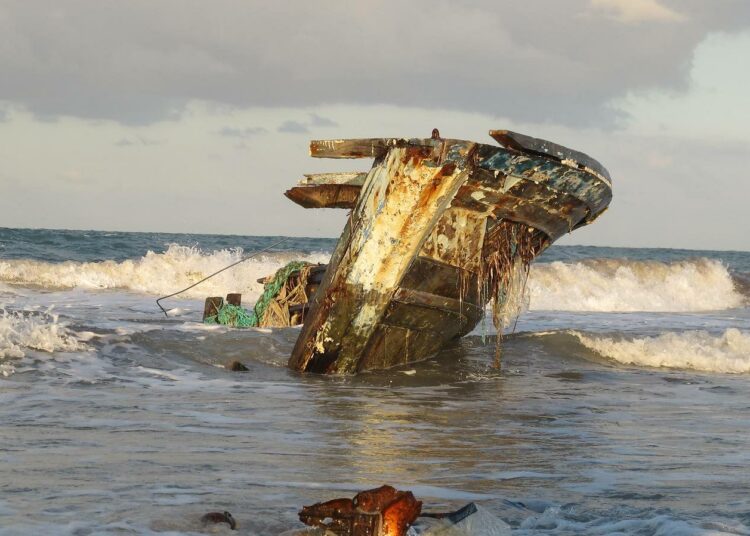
(693, 350)
(592, 285)
(42, 332)
(157, 273)
(628, 417)
(626, 285)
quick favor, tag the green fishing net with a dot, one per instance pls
(239, 317)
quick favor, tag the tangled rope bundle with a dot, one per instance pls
(285, 288)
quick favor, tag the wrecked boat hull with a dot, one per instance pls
(437, 225)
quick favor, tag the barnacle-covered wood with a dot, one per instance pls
(411, 268)
(382, 511)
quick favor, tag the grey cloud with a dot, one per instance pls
(303, 127)
(293, 127)
(242, 133)
(318, 121)
(137, 140)
(136, 62)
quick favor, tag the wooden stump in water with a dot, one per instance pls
(236, 366)
(212, 306)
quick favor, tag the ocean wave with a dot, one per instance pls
(695, 350)
(21, 332)
(157, 273)
(625, 285)
(589, 285)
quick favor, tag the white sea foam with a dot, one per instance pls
(591, 285)
(696, 350)
(625, 285)
(157, 273)
(21, 332)
(558, 520)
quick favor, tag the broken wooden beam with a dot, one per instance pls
(212, 306)
(348, 177)
(354, 148)
(325, 195)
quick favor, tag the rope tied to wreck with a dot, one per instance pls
(243, 259)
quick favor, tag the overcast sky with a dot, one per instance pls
(195, 116)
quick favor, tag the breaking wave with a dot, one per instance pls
(589, 285)
(20, 332)
(157, 273)
(695, 350)
(625, 285)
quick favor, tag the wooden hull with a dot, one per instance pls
(433, 221)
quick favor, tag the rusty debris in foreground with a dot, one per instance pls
(438, 228)
(382, 511)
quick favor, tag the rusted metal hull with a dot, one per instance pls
(433, 221)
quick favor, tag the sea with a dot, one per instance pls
(622, 405)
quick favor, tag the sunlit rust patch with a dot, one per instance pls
(382, 511)
(415, 154)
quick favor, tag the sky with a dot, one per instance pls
(192, 116)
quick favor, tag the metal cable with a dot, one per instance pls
(219, 271)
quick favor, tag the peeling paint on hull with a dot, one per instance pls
(408, 271)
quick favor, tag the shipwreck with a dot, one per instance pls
(438, 228)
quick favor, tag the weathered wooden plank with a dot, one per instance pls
(325, 195)
(441, 279)
(354, 148)
(212, 306)
(457, 238)
(392, 346)
(439, 322)
(507, 168)
(527, 144)
(399, 205)
(388, 347)
(432, 301)
(350, 177)
(535, 216)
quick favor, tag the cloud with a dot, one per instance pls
(138, 63)
(242, 133)
(293, 127)
(303, 127)
(318, 121)
(635, 11)
(136, 140)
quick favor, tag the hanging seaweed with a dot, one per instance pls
(509, 247)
